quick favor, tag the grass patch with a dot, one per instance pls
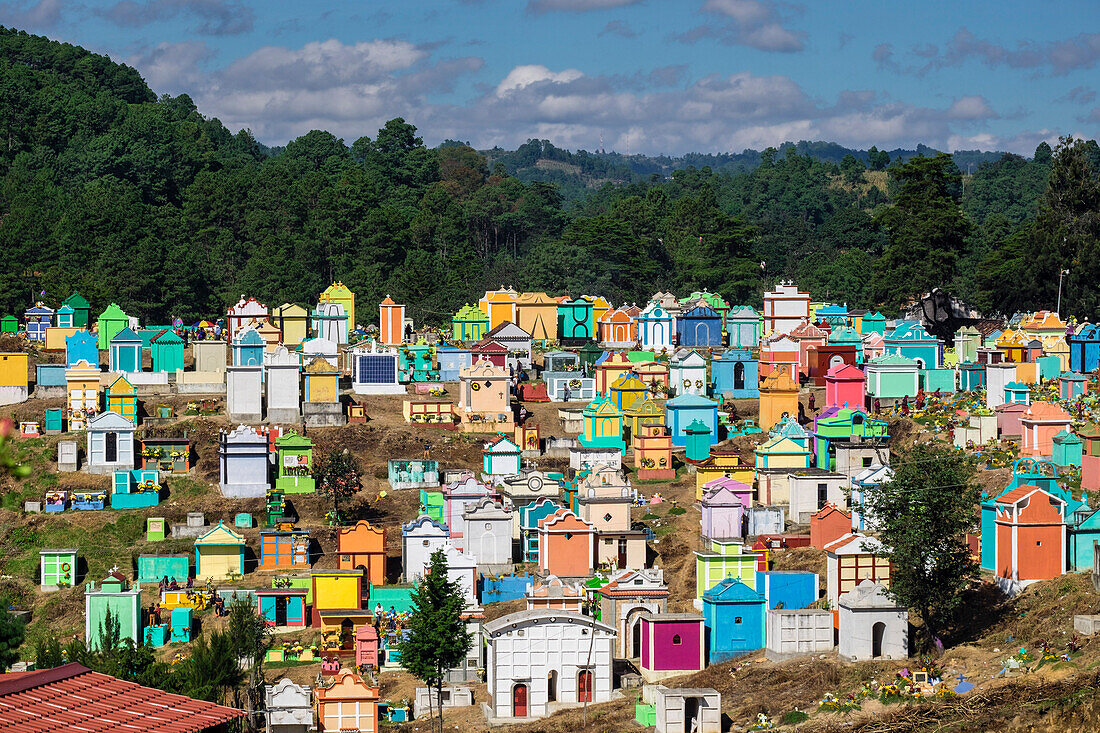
(793, 717)
(184, 487)
(676, 511)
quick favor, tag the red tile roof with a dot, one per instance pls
(73, 698)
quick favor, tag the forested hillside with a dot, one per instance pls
(106, 188)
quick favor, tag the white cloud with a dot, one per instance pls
(523, 76)
(173, 67)
(352, 89)
(31, 15)
(753, 23)
(973, 107)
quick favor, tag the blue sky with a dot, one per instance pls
(650, 76)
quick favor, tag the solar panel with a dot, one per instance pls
(377, 369)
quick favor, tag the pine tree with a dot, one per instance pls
(437, 639)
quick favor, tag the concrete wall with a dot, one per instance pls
(794, 632)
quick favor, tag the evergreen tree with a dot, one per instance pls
(11, 638)
(437, 638)
(922, 516)
(926, 230)
(110, 634)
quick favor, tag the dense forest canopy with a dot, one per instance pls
(107, 189)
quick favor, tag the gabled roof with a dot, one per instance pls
(732, 590)
(73, 698)
(563, 520)
(852, 544)
(121, 385)
(555, 587)
(807, 330)
(291, 310)
(892, 360)
(629, 381)
(167, 336)
(683, 355)
(1022, 492)
(126, 336)
(874, 475)
(508, 331)
(220, 534)
(847, 372)
(700, 311)
(829, 509)
(602, 406)
(788, 427)
(778, 381)
(654, 311)
(109, 420)
(780, 444)
(1067, 438)
(501, 444)
(624, 583)
(725, 494)
(76, 301)
(690, 400)
(868, 594)
(844, 335)
(1045, 412)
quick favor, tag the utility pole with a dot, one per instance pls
(1061, 273)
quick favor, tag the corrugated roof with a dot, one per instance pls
(73, 698)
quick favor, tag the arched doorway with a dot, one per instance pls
(633, 635)
(691, 714)
(584, 685)
(702, 334)
(347, 634)
(552, 686)
(519, 701)
(738, 375)
(878, 631)
(836, 360)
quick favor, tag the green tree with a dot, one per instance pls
(110, 634)
(922, 516)
(926, 230)
(878, 160)
(338, 475)
(437, 639)
(212, 672)
(250, 637)
(11, 638)
(1067, 232)
(48, 653)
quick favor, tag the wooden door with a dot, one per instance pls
(519, 701)
(584, 685)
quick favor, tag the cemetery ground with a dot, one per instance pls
(1056, 696)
